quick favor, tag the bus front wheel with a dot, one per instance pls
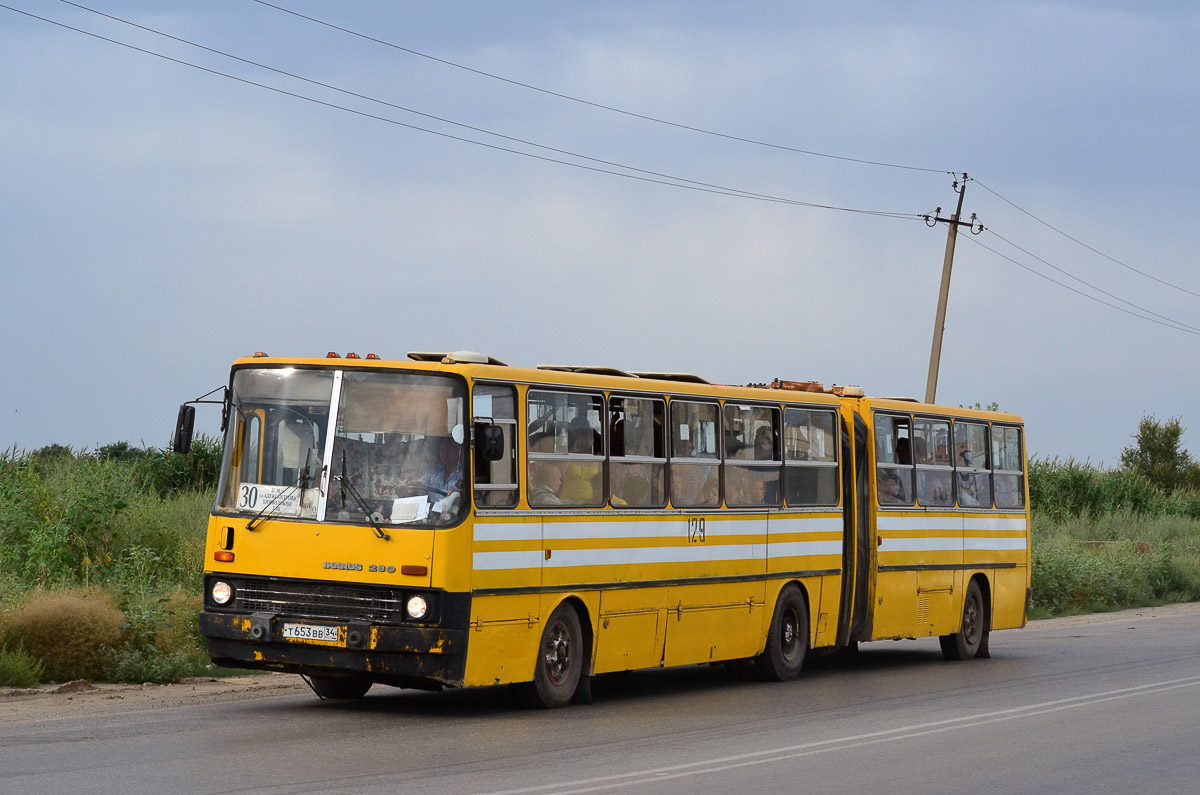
(787, 640)
(560, 661)
(971, 639)
(337, 687)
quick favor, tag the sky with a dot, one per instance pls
(160, 218)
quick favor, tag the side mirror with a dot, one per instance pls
(183, 429)
(490, 446)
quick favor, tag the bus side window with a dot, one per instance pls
(810, 457)
(1008, 472)
(893, 459)
(695, 460)
(494, 414)
(935, 474)
(971, 464)
(752, 435)
(564, 428)
(637, 460)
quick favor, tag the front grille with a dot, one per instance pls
(320, 600)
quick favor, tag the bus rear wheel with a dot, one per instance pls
(559, 662)
(338, 687)
(787, 640)
(971, 637)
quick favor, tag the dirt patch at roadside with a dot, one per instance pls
(87, 698)
(1164, 611)
(18, 705)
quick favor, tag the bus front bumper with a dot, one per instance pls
(421, 657)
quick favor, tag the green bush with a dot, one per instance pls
(119, 516)
(71, 632)
(148, 664)
(18, 668)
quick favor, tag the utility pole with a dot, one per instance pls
(939, 325)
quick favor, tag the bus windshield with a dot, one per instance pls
(352, 447)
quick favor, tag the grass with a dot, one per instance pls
(1119, 560)
(101, 557)
(1109, 539)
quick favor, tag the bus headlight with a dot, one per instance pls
(221, 592)
(417, 607)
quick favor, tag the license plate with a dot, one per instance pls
(325, 634)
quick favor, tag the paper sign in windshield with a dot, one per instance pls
(279, 500)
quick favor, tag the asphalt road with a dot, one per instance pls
(1062, 707)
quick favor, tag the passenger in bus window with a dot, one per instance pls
(545, 482)
(903, 452)
(966, 458)
(968, 491)
(741, 488)
(581, 480)
(767, 476)
(933, 488)
(891, 490)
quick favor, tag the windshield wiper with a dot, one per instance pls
(302, 483)
(265, 513)
(362, 504)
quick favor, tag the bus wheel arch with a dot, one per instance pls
(971, 639)
(563, 659)
(787, 637)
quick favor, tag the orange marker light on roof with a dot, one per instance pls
(332, 355)
(372, 356)
(351, 355)
(259, 354)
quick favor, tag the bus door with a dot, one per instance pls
(895, 598)
(858, 555)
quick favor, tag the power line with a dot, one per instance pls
(666, 179)
(426, 115)
(1184, 329)
(1085, 245)
(692, 128)
(1089, 284)
(598, 105)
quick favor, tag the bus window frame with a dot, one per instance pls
(568, 458)
(712, 463)
(973, 472)
(910, 486)
(612, 459)
(1018, 473)
(920, 468)
(747, 464)
(798, 464)
(480, 490)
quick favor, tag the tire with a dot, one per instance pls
(339, 687)
(787, 639)
(559, 664)
(971, 640)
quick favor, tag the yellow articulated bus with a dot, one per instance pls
(450, 521)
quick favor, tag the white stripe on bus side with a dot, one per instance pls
(802, 548)
(950, 544)
(969, 522)
(702, 552)
(493, 561)
(658, 529)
